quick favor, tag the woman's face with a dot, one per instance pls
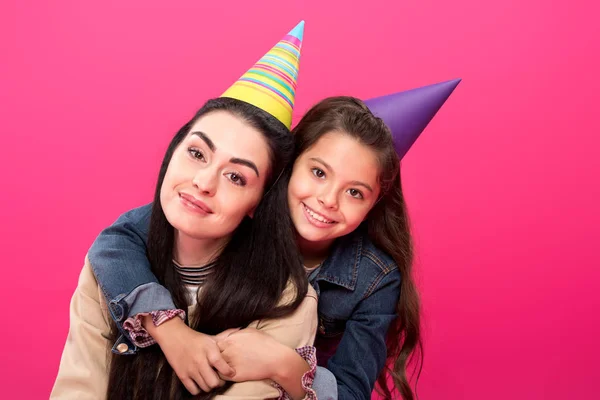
(216, 176)
(333, 187)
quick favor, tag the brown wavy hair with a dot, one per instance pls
(387, 223)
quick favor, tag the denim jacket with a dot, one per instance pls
(358, 287)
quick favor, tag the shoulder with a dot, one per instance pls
(377, 270)
(88, 287)
(139, 216)
(87, 283)
(307, 309)
(291, 291)
(298, 328)
(373, 257)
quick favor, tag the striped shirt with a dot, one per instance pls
(194, 275)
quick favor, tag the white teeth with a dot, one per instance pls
(317, 216)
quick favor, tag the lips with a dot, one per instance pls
(194, 202)
(317, 217)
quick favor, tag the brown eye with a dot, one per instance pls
(236, 179)
(318, 172)
(355, 193)
(197, 154)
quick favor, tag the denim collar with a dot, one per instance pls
(341, 267)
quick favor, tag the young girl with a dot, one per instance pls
(209, 244)
(346, 203)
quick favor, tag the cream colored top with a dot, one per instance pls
(83, 371)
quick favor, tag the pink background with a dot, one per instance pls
(502, 186)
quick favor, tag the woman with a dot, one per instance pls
(211, 180)
(346, 203)
(209, 245)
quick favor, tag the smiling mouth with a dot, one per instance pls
(191, 201)
(317, 216)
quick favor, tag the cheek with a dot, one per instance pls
(178, 173)
(355, 214)
(300, 187)
(167, 184)
(182, 166)
(175, 173)
(237, 204)
(163, 195)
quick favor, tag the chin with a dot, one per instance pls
(193, 234)
(312, 236)
(184, 230)
(183, 224)
(173, 220)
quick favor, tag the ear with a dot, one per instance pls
(251, 212)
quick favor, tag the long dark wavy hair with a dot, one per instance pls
(250, 275)
(387, 223)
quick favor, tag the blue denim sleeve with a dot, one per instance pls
(325, 385)
(362, 352)
(119, 261)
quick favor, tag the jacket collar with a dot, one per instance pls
(341, 267)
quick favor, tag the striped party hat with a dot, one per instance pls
(271, 83)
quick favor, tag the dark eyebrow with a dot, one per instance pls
(317, 159)
(234, 160)
(359, 183)
(247, 163)
(206, 139)
(355, 183)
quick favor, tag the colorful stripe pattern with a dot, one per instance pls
(271, 83)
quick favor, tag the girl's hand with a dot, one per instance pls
(191, 354)
(252, 354)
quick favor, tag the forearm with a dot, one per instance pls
(163, 330)
(137, 332)
(290, 373)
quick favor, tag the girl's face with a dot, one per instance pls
(333, 187)
(216, 176)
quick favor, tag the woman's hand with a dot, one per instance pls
(191, 354)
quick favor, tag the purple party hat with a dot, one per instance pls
(408, 113)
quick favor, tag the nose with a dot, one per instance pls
(328, 199)
(206, 181)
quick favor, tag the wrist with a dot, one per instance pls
(287, 364)
(165, 329)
